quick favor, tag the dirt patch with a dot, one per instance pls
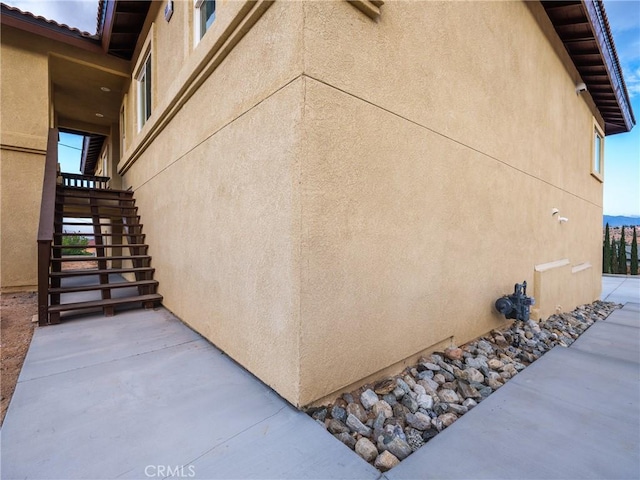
(16, 328)
(82, 265)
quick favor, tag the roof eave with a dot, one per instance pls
(602, 32)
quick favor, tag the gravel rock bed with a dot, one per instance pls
(388, 420)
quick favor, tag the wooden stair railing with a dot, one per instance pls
(78, 197)
(46, 225)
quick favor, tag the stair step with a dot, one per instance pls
(85, 234)
(104, 286)
(92, 271)
(85, 189)
(153, 297)
(98, 205)
(98, 195)
(113, 245)
(89, 224)
(91, 258)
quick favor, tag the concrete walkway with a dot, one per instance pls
(140, 395)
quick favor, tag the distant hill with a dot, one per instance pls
(617, 221)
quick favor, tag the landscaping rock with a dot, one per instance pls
(357, 426)
(386, 461)
(448, 396)
(419, 420)
(339, 413)
(336, 426)
(356, 410)
(366, 449)
(399, 448)
(382, 408)
(399, 414)
(368, 399)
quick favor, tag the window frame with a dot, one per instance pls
(197, 20)
(123, 126)
(144, 90)
(597, 153)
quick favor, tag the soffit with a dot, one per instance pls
(121, 25)
(78, 94)
(584, 30)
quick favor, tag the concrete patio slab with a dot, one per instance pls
(621, 289)
(122, 397)
(613, 339)
(94, 339)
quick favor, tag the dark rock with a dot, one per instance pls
(339, 413)
(320, 414)
(429, 434)
(385, 386)
(440, 408)
(347, 439)
(467, 391)
(336, 426)
(419, 420)
(410, 403)
(457, 409)
(390, 398)
(399, 448)
(357, 426)
(428, 374)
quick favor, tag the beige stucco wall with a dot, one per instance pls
(217, 190)
(341, 194)
(24, 121)
(438, 140)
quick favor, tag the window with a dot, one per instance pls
(205, 14)
(144, 91)
(123, 127)
(597, 167)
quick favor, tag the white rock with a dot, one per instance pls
(425, 401)
(368, 398)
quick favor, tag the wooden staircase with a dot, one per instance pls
(120, 249)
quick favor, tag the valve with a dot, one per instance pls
(517, 305)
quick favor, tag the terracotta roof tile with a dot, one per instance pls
(49, 23)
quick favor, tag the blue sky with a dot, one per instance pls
(622, 151)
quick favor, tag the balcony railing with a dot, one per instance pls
(85, 181)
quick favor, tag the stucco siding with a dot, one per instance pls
(218, 193)
(438, 140)
(339, 195)
(24, 119)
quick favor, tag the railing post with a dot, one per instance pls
(44, 252)
(46, 225)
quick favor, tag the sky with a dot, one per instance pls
(622, 151)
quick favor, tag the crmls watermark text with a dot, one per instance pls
(162, 471)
